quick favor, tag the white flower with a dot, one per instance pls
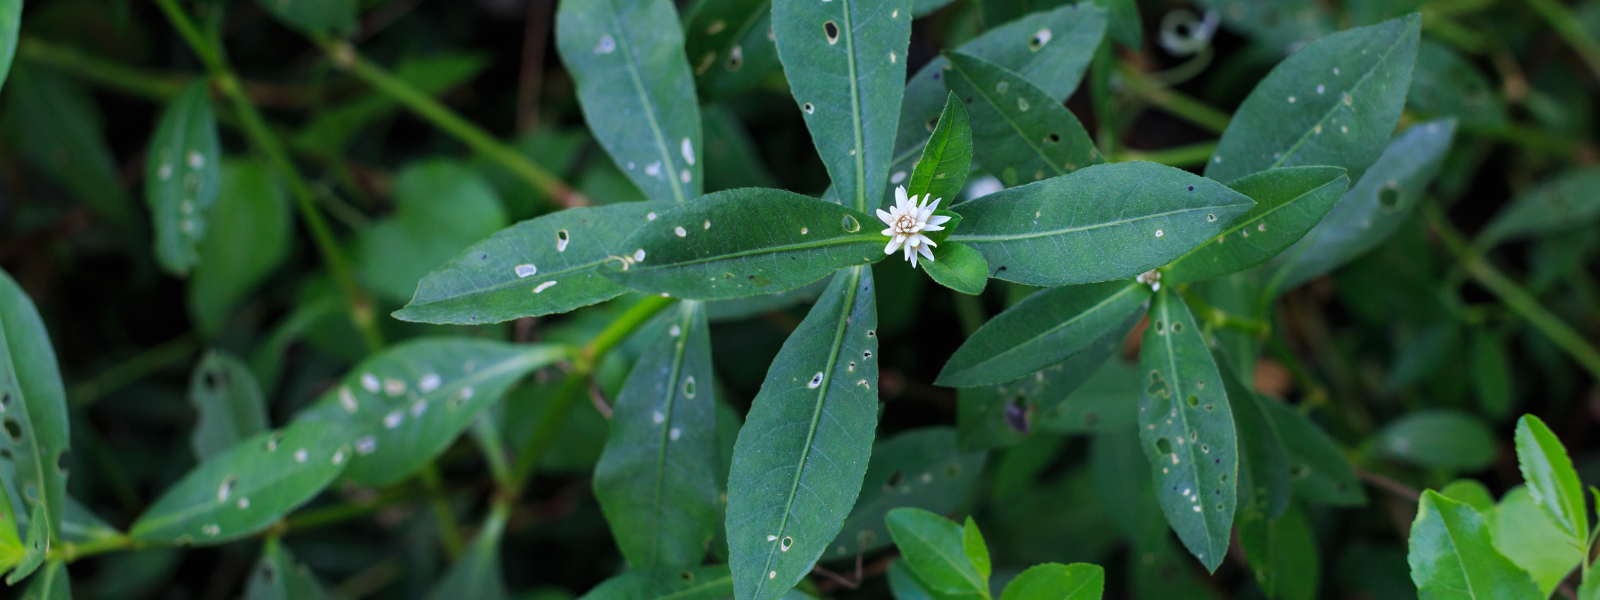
(907, 221)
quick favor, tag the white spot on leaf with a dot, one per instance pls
(526, 270)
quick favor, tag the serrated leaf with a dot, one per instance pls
(933, 548)
(627, 60)
(1043, 329)
(400, 408)
(541, 266)
(663, 583)
(1333, 102)
(947, 157)
(315, 16)
(1523, 532)
(920, 468)
(251, 231)
(228, 400)
(35, 406)
(958, 267)
(1551, 478)
(278, 576)
(798, 464)
(1438, 438)
(655, 480)
(1289, 202)
(477, 573)
(1019, 132)
(728, 45)
(745, 242)
(1452, 556)
(1187, 430)
(846, 65)
(1317, 467)
(1562, 203)
(38, 544)
(183, 176)
(1055, 581)
(1100, 223)
(976, 550)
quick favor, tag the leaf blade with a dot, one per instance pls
(1451, 553)
(37, 436)
(1551, 478)
(1012, 344)
(1019, 132)
(947, 157)
(229, 402)
(1289, 202)
(183, 176)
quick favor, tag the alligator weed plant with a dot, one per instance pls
(798, 299)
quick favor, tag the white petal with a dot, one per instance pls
(935, 204)
(900, 196)
(926, 252)
(894, 244)
(932, 228)
(938, 220)
(887, 218)
(889, 231)
(923, 214)
(909, 252)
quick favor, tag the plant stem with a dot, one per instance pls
(1570, 28)
(449, 529)
(138, 367)
(1217, 317)
(1181, 156)
(136, 81)
(1177, 103)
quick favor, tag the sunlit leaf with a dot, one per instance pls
(229, 403)
(183, 176)
(1452, 557)
(38, 544)
(1289, 202)
(1019, 132)
(921, 468)
(933, 548)
(947, 157)
(958, 267)
(1054, 581)
(1045, 328)
(1551, 479)
(1523, 532)
(35, 407)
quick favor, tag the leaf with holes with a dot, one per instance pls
(34, 403)
(1551, 478)
(477, 572)
(946, 159)
(1187, 430)
(627, 60)
(958, 267)
(401, 408)
(728, 47)
(38, 544)
(248, 488)
(252, 228)
(541, 266)
(1019, 132)
(1100, 223)
(1055, 581)
(846, 65)
(1451, 555)
(1333, 102)
(662, 583)
(315, 16)
(1317, 467)
(228, 400)
(1043, 329)
(183, 176)
(933, 547)
(278, 576)
(1289, 202)
(1565, 202)
(655, 480)
(745, 242)
(800, 457)
(920, 468)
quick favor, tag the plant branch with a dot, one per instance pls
(1177, 103)
(1181, 156)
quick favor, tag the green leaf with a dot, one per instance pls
(51, 584)
(920, 468)
(958, 267)
(922, 8)
(336, 17)
(1317, 467)
(1263, 481)
(846, 65)
(738, 309)
(732, 157)
(400, 408)
(38, 544)
(57, 126)
(663, 583)
(477, 573)
(1470, 492)
(798, 464)
(1551, 479)
(1440, 439)
(1045, 328)
(1117, 463)
(1283, 554)
(246, 489)
(1560, 204)
(656, 480)
(442, 207)
(251, 229)
(727, 45)
(1491, 374)
(934, 548)
(946, 159)
(1289, 202)
(627, 60)
(183, 176)
(1451, 555)
(35, 407)
(904, 585)
(79, 524)
(1055, 581)
(976, 550)
(743, 243)
(551, 264)
(1019, 132)
(11, 548)
(1523, 532)
(1124, 25)
(278, 576)
(1188, 430)
(229, 403)
(1162, 571)
(10, 25)
(1333, 102)
(1447, 85)
(1107, 401)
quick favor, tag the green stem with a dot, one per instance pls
(1216, 317)
(1571, 29)
(1177, 103)
(69, 551)
(487, 432)
(449, 529)
(138, 367)
(139, 82)
(1182, 156)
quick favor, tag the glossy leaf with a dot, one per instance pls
(1187, 430)
(38, 544)
(183, 176)
(846, 65)
(1019, 132)
(229, 403)
(958, 267)
(251, 229)
(728, 45)
(1099, 223)
(627, 60)
(1043, 329)
(51, 583)
(919, 468)
(975, 548)
(1452, 556)
(933, 548)
(1289, 202)
(541, 266)
(278, 576)
(1333, 102)
(1470, 492)
(315, 16)
(1055, 581)
(247, 489)
(477, 573)
(35, 407)
(1439, 438)
(743, 243)
(803, 451)
(946, 159)
(442, 207)
(662, 583)
(1551, 479)
(1523, 532)
(400, 408)
(1565, 202)
(1317, 467)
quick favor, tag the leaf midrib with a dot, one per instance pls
(1212, 240)
(855, 108)
(1067, 230)
(955, 565)
(838, 241)
(1295, 148)
(1183, 415)
(626, 48)
(1038, 151)
(688, 309)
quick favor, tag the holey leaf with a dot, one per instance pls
(183, 176)
(1043, 329)
(399, 409)
(801, 456)
(946, 159)
(231, 409)
(1333, 102)
(1096, 224)
(745, 242)
(728, 46)
(541, 266)
(846, 64)
(1289, 202)
(920, 468)
(655, 480)
(1019, 132)
(1187, 430)
(248, 488)
(637, 93)
(33, 407)
(1551, 478)
(1452, 557)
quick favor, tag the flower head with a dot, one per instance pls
(907, 221)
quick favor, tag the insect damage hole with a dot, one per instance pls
(562, 237)
(808, 108)
(816, 380)
(785, 543)
(1038, 39)
(832, 30)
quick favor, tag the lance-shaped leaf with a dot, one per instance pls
(1289, 202)
(541, 266)
(745, 242)
(1019, 132)
(1452, 556)
(1263, 482)
(1116, 463)
(800, 457)
(1283, 554)
(1096, 224)
(1317, 467)
(656, 478)
(946, 159)
(728, 46)
(920, 468)
(1108, 401)
(637, 93)
(1043, 329)
(10, 25)
(38, 544)
(315, 16)
(1055, 581)
(252, 228)
(663, 583)
(903, 583)
(1333, 102)
(1565, 202)
(477, 574)
(1187, 430)
(933, 548)
(248, 488)
(846, 64)
(225, 394)
(401, 408)
(34, 406)
(975, 548)
(278, 576)
(1551, 478)
(51, 584)
(183, 176)
(957, 266)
